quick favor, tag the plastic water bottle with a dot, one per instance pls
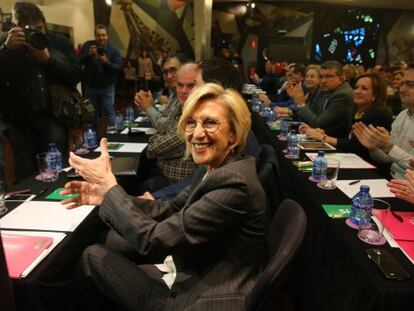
(319, 167)
(293, 149)
(284, 130)
(270, 116)
(130, 114)
(90, 137)
(54, 158)
(255, 103)
(361, 208)
(119, 121)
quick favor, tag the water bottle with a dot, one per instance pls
(319, 167)
(54, 158)
(270, 117)
(361, 208)
(255, 103)
(284, 130)
(293, 149)
(90, 137)
(130, 114)
(119, 121)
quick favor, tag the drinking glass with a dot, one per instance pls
(48, 171)
(372, 233)
(110, 129)
(3, 208)
(78, 142)
(332, 168)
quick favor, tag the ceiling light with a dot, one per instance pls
(108, 2)
(253, 5)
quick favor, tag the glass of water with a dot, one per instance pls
(332, 168)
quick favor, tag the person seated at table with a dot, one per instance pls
(294, 78)
(299, 97)
(145, 101)
(403, 188)
(332, 107)
(165, 147)
(395, 147)
(370, 108)
(211, 234)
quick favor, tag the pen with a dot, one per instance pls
(354, 182)
(398, 217)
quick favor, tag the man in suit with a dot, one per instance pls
(332, 105)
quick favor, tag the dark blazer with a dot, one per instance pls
(377, 117)
(330, 111)
(214, 229)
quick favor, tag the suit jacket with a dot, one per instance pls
(214, 229)
(330, 111)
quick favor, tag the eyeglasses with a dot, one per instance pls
(209, 125)
(328, 76)
(407, 84)
(172, 70)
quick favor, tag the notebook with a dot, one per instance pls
(21, 251)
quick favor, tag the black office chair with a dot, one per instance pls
(268, 172)
(284, 237)
(6, 293)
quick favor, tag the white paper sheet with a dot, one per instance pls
(57, 238)
(45, 215)
(127, 147)
(346, 160)
(146, 130)
(378, 187)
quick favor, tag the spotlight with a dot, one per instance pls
(108, 2)
(253, 5)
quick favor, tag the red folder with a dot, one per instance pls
(22, 250)
(399, 230)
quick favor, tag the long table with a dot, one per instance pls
(50, 285)
(332, 270)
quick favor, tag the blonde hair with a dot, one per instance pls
(236, 109)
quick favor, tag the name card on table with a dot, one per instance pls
(126, 147)
(45, 215)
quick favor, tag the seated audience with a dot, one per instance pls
(165, 146)
(395, 148)
(369, 108)
(331, 110)
(403, 188)
(211, 235)
(294, 79)
(393, 99)
(144, 100)
(300, 95)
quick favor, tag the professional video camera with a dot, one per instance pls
(36, 38)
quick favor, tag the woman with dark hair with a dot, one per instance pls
(369, 108)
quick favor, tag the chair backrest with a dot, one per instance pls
(284, 237)
(6, 293)
(268, 173)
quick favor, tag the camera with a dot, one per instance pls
(100, 50)
(36, 38)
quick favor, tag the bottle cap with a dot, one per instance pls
(364, 188)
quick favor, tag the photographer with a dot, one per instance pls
(102, 62)
(31, 60)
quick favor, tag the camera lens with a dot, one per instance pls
(38, 40)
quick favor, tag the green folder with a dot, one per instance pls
(337, 210)
(55, 195)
